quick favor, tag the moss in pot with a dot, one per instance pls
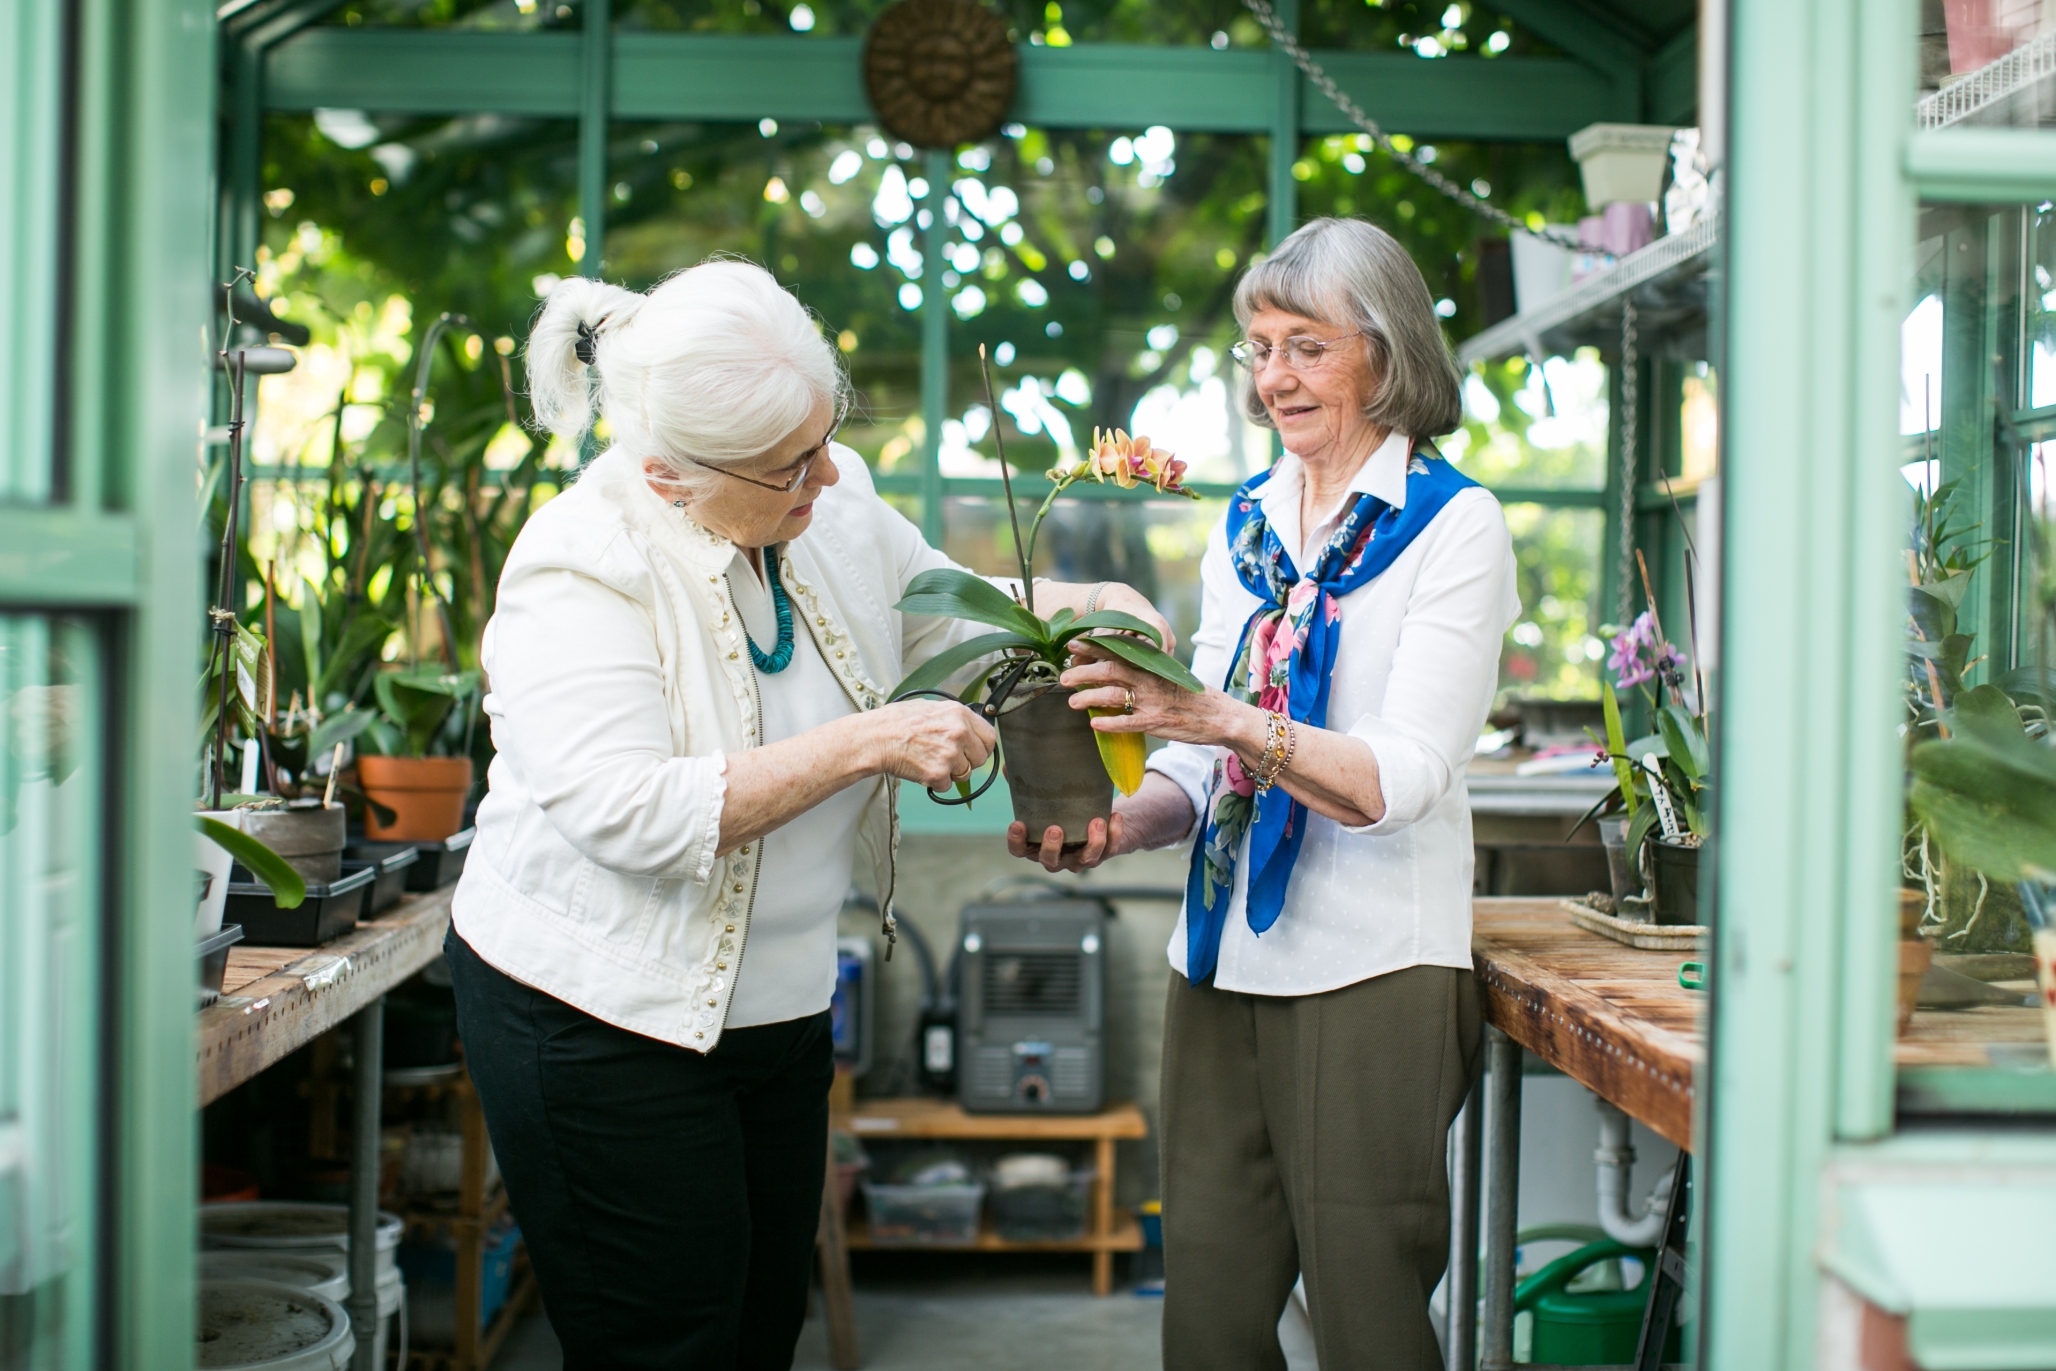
(1061, 771)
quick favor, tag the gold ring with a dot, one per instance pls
(1129, 708)
(965, 776)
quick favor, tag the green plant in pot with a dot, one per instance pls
(1982, 766)
(1661, 779)
(1060, 771)
(1966, 909)
(418, 766)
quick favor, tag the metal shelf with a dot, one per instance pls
(1666, 280)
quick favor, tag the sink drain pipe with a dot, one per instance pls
(1616, 1158)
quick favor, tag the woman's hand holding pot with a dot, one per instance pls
(1153, 705)
(929, 741)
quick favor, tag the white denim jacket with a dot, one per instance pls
(619, 680)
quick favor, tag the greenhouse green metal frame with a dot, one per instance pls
(113, 158)
(278, 59)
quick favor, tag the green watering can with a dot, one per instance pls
(1589, 1327)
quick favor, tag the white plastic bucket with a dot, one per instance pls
(214, 859)
(325, 1273)
(307, 1229)
(252, 1325)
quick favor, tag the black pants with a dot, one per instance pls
(669, 1200)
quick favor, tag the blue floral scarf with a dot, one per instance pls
(1283, 662)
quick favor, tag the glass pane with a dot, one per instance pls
(1055, 23)
(459, 14)
(1347, 174)
(829, 210)
(1554, 652)
(1099, 268)
(1983, 56)
(1537, 427)
(374, 232)
(50, 799)
(1978, 620)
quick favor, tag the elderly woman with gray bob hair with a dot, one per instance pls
(1323, 1025)
(688, 665)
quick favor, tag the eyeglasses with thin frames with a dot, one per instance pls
(799, 473)
(1301, 353)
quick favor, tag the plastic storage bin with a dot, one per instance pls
(924, 1215)
(212, 954)
(1043, 1213)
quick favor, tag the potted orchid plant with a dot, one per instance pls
(1059, 770)
(1662, 779)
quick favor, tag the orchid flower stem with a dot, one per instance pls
(1022, 550)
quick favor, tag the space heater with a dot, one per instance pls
(1032, 1007)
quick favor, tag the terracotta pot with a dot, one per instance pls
(309, 838)
(1053, 767)
(426, 794)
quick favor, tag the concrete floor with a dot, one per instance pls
(917, 1313)
(936, 1313)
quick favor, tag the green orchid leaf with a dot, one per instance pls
(287, 888)
(1650, 745)
(416, 700)
(1152, 660)
(1987, 703)
(1988, 795)
(1061, 620)
(1934, 616)
(337, 728)
(310, 632)
(1682, 739)
(952, 594)
(932, 673)
(1115, 619)
(1949, 589)
(1639, 829)
(1617, 749)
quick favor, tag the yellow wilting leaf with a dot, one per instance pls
(1121, 753)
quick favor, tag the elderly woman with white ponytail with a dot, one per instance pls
(688, 672)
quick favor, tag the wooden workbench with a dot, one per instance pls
(1105, 1232)
(276, 1000)
(1611, 1017)
(1615, 1019)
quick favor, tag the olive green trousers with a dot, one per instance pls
(1308, 1135)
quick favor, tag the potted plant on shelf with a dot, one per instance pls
(419, 769)
(1661, 779)
(1982, 765)
(1060, 770)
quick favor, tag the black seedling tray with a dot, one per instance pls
(393, 861)
(213, 956)
(328, 912)
(441, 863)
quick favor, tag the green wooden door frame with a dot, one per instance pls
(118, 409)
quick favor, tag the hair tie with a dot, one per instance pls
(587, 335)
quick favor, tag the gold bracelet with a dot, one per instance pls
(1278, 742)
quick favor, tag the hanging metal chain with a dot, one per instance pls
(1624, 590)
(1303, 59)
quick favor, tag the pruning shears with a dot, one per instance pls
(1003, 686)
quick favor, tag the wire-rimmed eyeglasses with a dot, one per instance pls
(791, 483)
(1301, 353)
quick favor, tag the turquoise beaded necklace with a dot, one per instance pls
(780, 656)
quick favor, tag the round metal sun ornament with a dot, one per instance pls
(940, 72)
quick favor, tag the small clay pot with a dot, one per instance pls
(426, 794)
(1053, 767)
(310, 839)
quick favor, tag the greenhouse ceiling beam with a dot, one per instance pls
(688, 76)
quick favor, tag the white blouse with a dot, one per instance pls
(789, 972)
(1414, 675)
